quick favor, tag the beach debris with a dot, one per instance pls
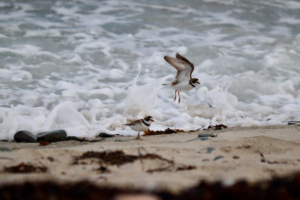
(244, 147)
(263, 159)
(118, 140)
(218, 157)
(207, 135)
(106, 135)
(44, 143)
(52, 136)
(109, 157)
(167, 131)
(50, 158)
(183, 168)
(235, 157)
(103, 169)
(24, 136)
(5, 149)
(119, 158)
(286, 187)
(25, 168)
(293, 122)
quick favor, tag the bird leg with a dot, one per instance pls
(175, 95)
(179, 97)
(138, 137)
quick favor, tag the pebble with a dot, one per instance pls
(210, 149)
(24, 136)
(100, 140)
(52, 136)
(207, 135)
(121, 140)
(105, 135)
(5, 149)
(293, 122)
(218, 157)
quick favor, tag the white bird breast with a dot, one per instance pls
(139, 127)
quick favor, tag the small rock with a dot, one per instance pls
(105, 135)
(218, 157)
(5, 149)
(210, 149)
(293, 122)
(52, 136)
(121, 140)
(235, 157)
(207, 135)
(24, 136)
(100, 140)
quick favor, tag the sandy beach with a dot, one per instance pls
(170, 162)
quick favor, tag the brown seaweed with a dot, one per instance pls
(25, 168)
(119, 158)
(167, 131)
(284, 188)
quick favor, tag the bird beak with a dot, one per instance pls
(198, 82)
(152, 120)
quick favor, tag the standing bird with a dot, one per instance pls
(141, 125)
(183, 80)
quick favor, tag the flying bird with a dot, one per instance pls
(183, 80)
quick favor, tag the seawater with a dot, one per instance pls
(91, 66)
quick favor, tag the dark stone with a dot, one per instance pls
(52, 136)
(207, 135)
(105, 135)
(5, 149)
(210, 149)
(100, 140)
(121, 140)
(218, 157)
(24, 136)
(235, 157)
(293, 122)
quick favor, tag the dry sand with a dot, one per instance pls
(252, 153)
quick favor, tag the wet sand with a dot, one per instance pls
(178, 161)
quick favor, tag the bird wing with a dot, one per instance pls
(184, 67)
(134, 122)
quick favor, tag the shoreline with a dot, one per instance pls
(237, 153)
